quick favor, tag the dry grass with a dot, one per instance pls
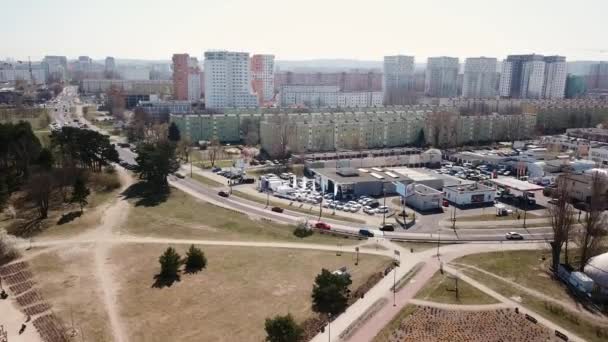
(393, 325)
(67, 282)
(441, 288)
(206, 180)
(230, 299)
(183, 216)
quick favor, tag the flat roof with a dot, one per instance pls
(415, 175)
(334, 175)
(516, 184)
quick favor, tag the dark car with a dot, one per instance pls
(179, 175)
(387, 227)
(366, 233)
(216, 169)
(277, 209)
(322, 225)
(223, 194)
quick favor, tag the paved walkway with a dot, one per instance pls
(461, 307)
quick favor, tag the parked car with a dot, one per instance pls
(366, 233)
(513, 236)
(223, 194)
(277, 209)
(322, 225)
(387, 227)
(216, 169)
(179, 175)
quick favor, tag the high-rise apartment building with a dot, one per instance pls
(598, 76)
(57, 67)
(533, 77)
(479, 80)
(194, 80)
(441, 78)
(398, 78)
(180, 76)
(227, 80)
(262, 77)
(556, 74)
(110, 66)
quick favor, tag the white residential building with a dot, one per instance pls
(134, 72)
(30, 72)
(532, 79)
(262, 76)
(398, 75)
(227, 80)
(57, 67)
(327, 96)
(479, 79)
(556, 74)
(194, 80)
(441, 79)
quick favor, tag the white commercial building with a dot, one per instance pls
(469, 194)
(423, 198)
(599, 154)
(441, 79)
(227, 80)
(327, 96)
(479, 79)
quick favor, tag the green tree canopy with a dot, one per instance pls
(330, 292)
(282, 329)
(169, 264)
(155, 162)
(195, 259)
(174, 134)
(80, 192)
(83, 148)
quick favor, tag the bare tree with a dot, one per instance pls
(594, 227)
(39, 189)
(183, 149)
(441, 126)
(562, 219)
(213, 151)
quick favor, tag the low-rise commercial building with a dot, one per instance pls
(424, 198)
(599, 154)
(475, 194)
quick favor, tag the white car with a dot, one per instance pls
(513, 236)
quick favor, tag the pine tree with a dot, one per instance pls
(169, 264)
(174, 134)
(80, 193)
(195, 259)
(282, 329)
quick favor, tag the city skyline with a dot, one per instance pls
(341, 30)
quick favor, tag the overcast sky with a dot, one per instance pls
(304, 29)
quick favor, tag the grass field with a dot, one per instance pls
(590, 330)
(315, 211)
(67, 282)
(441, 288)
(229, 300)
(182, 216)
(206, 180)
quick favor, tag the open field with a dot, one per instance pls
(591, 330)
(230, 299)
(526, 268)
(315, 211)
(37, 117)
(182, 216)
(430, 324)
(206, 180)
(66, 280)
(441, 288)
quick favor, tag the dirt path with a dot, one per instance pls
(480, 307)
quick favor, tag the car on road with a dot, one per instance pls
(366, 233)
(277, 209)
(179, 175)
(223, 194)
(513, 236)
(553, 201)
(322, 225)
(216, 169)
(387, 227)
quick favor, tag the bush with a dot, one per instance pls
(104, 181)
(302, 232)
(8, 252)
(282, 329)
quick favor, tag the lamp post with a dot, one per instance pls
(329, 328)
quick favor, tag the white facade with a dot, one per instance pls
(532, 79)
(555, 77)
(194, 87)
(599, 154)
(441, 79)
(398, 72)
(57, 66)
(506, 74)
(227, 80)
(469, 194)
(479, 78)
(327, 96)
(134, 73)
(23, 71)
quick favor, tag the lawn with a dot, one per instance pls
(206, 180)
(66, 280)
(522, 267)
(315, 211)
(575, 322)
(183, 216)
(229, 300)
(441, 288)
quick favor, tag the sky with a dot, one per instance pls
(304, 29)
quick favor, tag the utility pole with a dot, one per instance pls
(438, 242)
(329, 328)
(394, 286)
(320, 208)
(384, 209)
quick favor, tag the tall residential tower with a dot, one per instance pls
(441, 78)
(262, 77)
(398, 78)
(479, 79)
(227, 80)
